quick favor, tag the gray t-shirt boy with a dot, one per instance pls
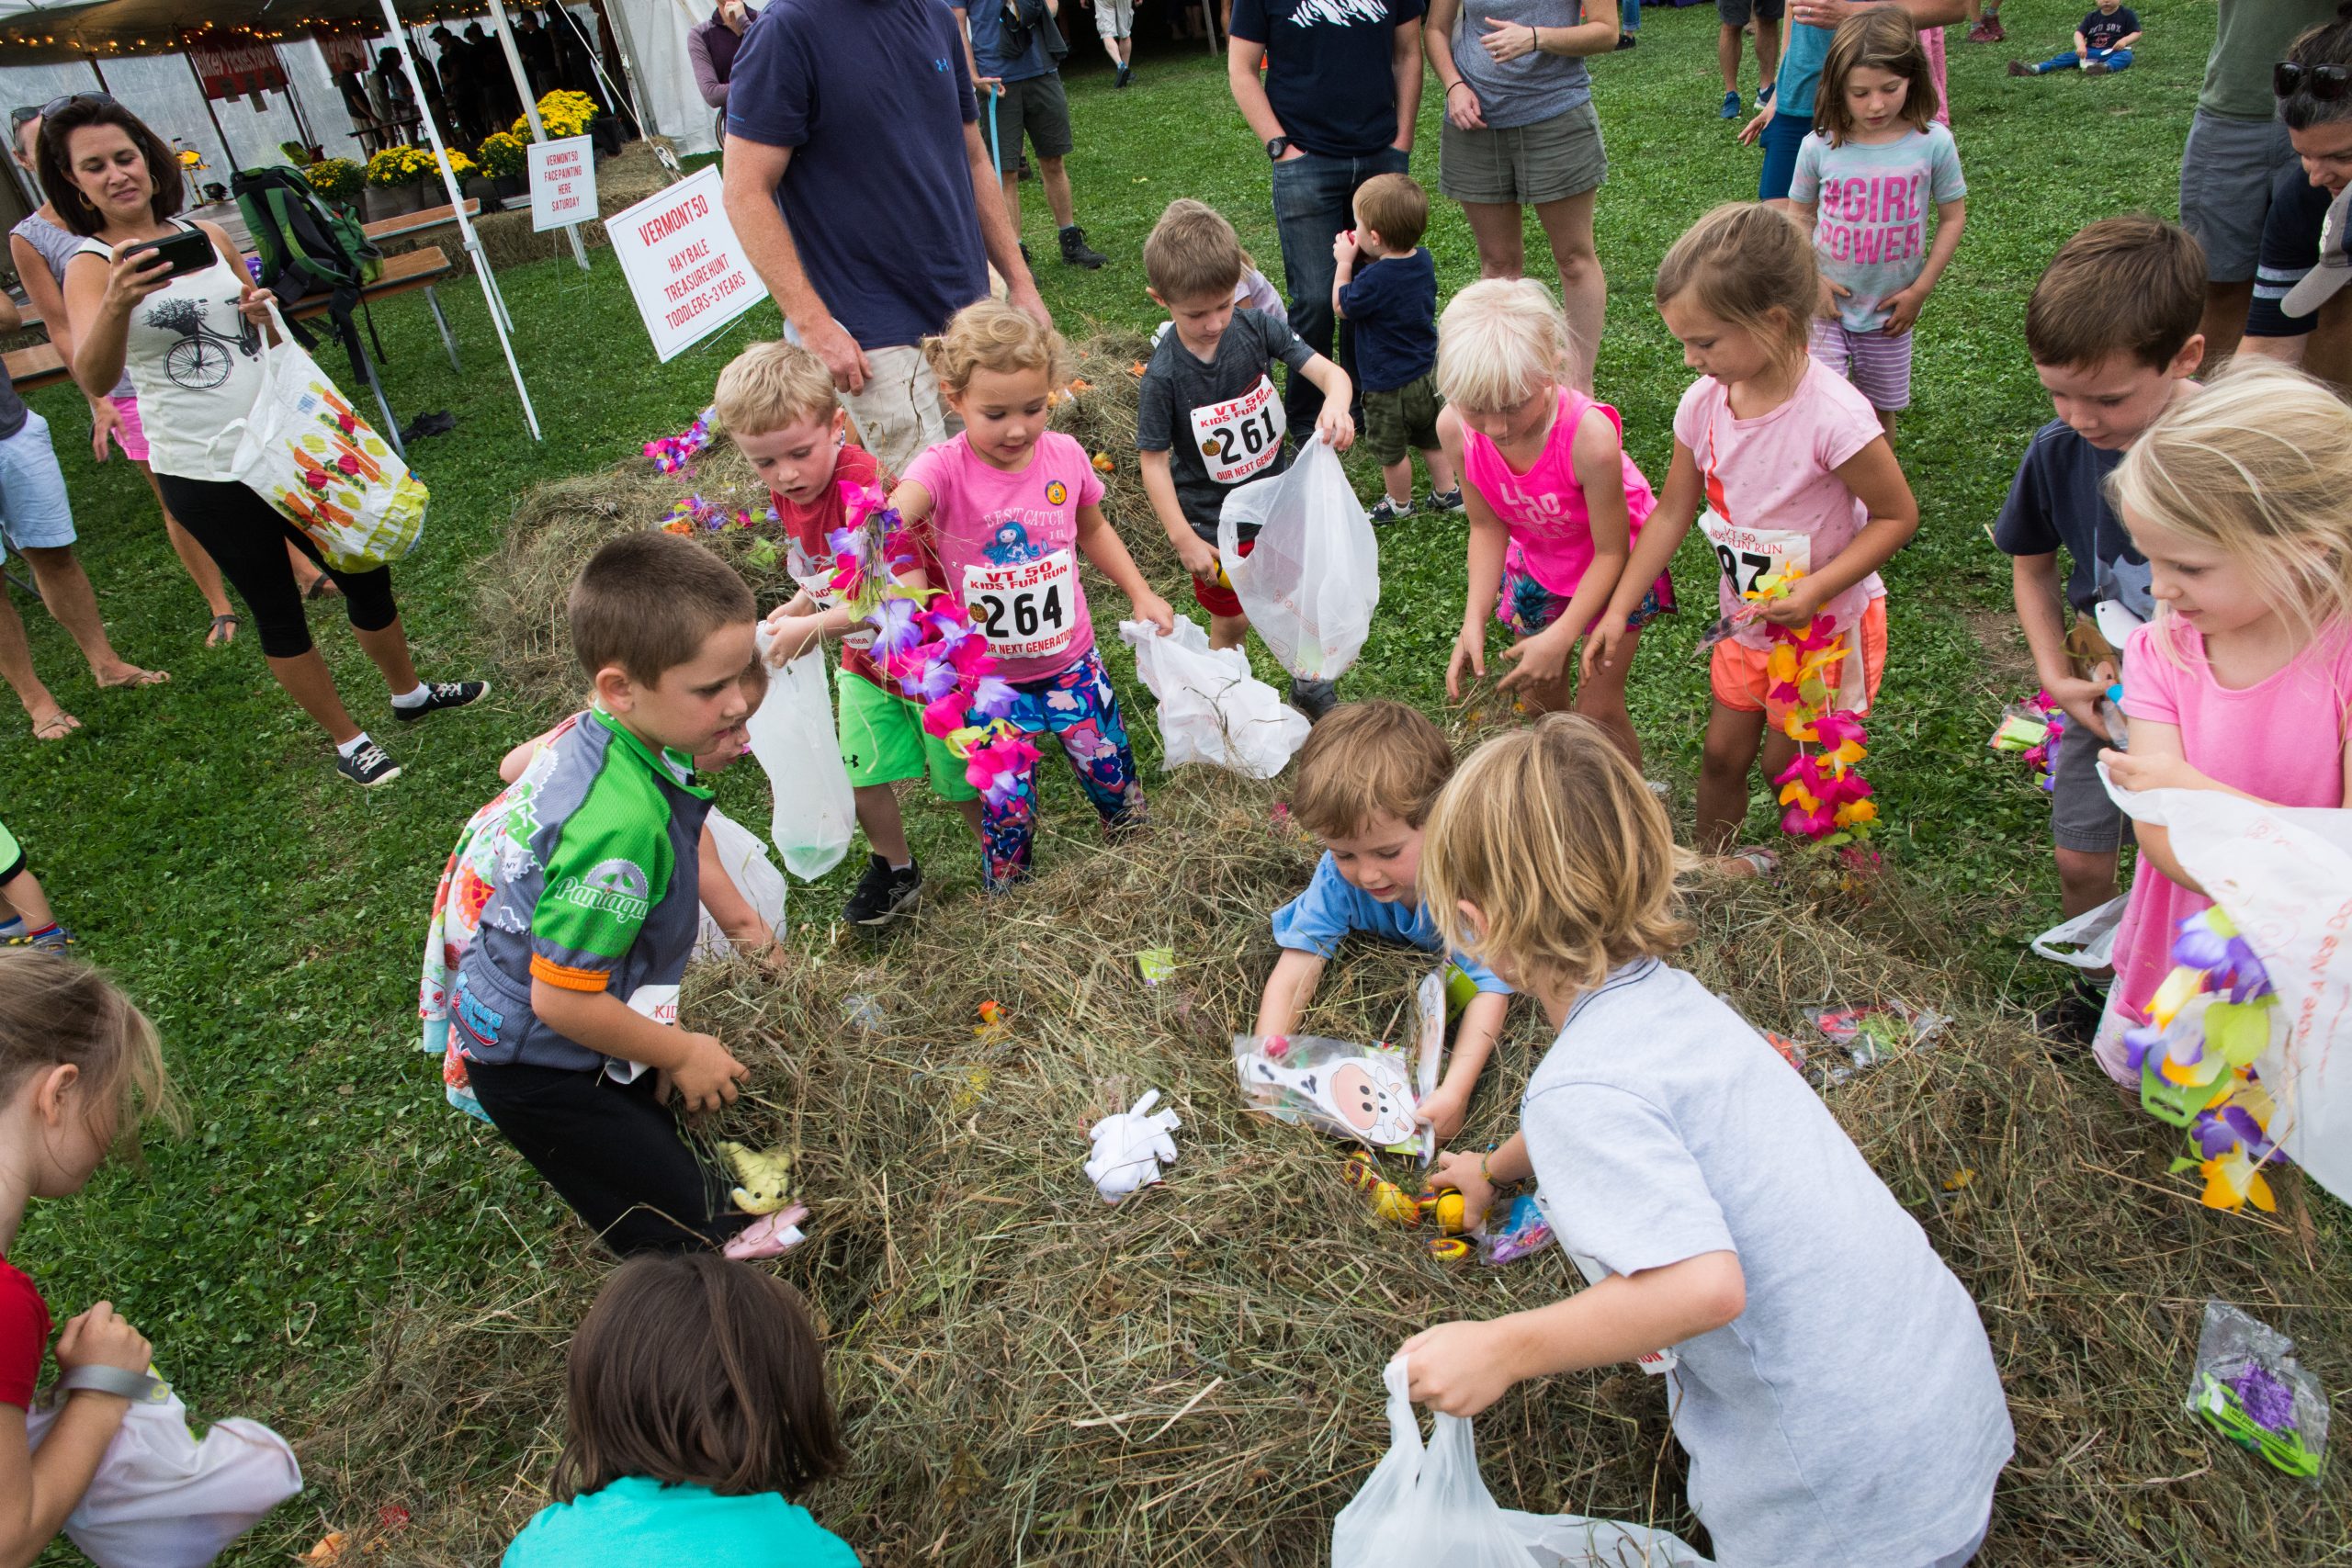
(1852, 1415)
(1220, 421)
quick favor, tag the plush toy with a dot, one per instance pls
(1130, 1147)
(764, 1178)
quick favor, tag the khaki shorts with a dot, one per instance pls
(1402, 420)
(898, 412)
(1526, 165)
(1115, 18)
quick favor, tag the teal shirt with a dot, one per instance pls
(1803, 51)
(636, 1521)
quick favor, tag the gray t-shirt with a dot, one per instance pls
(1533, 88)
(1220, 421)
(1852, 1415)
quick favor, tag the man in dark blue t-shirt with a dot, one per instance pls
(1336, 106)
(859, 185)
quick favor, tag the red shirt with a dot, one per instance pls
(807, 527)
(24, 1335)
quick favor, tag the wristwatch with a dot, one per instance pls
(1277, 147)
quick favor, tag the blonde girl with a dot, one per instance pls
(1555, 503)
(1783, 466)
(79, 1068)
(1873, 161)
(2241, 498)
(1008, 506)
(1727, 1225)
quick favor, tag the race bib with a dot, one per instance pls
(1027, 609)
(659, 1003)
(817, 582)
(1239, 437)
(1747, 556)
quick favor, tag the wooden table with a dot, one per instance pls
(416, 223)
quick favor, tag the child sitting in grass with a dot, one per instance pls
(696, 1407)
(1390, 306)
(1829, 1378)
(776, 402)
(1366, 777)
(2102, 44)
(30, 922)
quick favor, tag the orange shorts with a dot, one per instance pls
(1737, 671)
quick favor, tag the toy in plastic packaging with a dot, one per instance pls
(1519, 1229)
(1310, 584)
(1370, 1093)
(792, 736)
(1211, 708)
(2248, 1387)
(1429, 1508)
(1870, 1035)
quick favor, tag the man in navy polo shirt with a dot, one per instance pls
(863, 194)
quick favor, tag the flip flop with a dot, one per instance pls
(56, 726)
(322, 587)
(212, 635)
(138, 678)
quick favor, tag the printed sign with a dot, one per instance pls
(563, 182)
(685, 267)
(1239, 437)
(231, 67)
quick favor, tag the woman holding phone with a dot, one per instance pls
(192, 341)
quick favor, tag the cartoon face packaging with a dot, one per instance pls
(1365, 1092)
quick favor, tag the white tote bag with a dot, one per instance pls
(1211, 708)
(1310, 584)
(792, 737)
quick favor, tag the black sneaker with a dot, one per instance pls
(439, 694)
(1076, 252)
(883, 895)
(2073, 1019)
(1384, 511)
(367, 767)
(1126, 74)
(1314, 698)
(1446, 501)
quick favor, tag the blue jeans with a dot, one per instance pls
(1782, 138)
(1629, 18)
(1314, 199)
(2113, 58)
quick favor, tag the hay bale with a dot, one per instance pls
(623, 180)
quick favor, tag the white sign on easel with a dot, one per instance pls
(685, 269)
(563, 182)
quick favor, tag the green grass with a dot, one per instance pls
(269, 915)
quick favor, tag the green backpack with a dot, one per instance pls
(305, 246)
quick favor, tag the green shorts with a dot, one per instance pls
(883, 742)
(1402, 420)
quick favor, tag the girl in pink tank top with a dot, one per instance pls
(1554, 501)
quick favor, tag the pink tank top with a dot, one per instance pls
(1551, 527)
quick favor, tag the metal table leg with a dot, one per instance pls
(448, 342)
(391, 426)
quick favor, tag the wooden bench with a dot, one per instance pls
(416, 223)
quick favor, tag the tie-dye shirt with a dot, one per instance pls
(1872, 205)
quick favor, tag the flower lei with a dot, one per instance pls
(1827, 798)
(673, 453)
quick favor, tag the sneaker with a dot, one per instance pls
(2019, 68)
(55, 940)
(1314, 698)
(2096, 68)
(883, 895)
(1446, 501)
(1027, 259)
(1076, 252)
(1731, 106)
(1626, 40)
(1988, 30)
(367, 767)
(1126, 74)
(1765, 95)
(2073, 1019)
(1385, 512)
(439, 694)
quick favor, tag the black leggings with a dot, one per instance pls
(247, 539)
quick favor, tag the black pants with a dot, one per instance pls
(247, 539)
(611, 1151)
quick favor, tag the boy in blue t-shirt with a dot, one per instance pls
(1390, 306)
(2102, 44)
(1367, 777)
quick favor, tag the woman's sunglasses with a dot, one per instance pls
(19, 117)
(2326, 83)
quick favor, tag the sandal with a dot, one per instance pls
(322, 587)
(56, 726)
(215, 636)
(138, 677)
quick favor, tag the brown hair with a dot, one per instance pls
(647, 600)
(56, 169)
(1882, 40)
(2330, 43)
(1192, 251)
(1367, 758)
(2131, 285)
(994, 336)
(1552, 835)
(1751, 266)
(771, 387)
(691, 1369)
(1396, 207)
(55, 1011)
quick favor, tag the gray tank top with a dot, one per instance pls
(1533, 88)
(55, 243)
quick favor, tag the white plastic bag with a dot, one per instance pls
(162, 1499)
(792, 736)
(2086, 941)
(1211, 708)
(756, 876)
(1311, 583)
(1429, 1508)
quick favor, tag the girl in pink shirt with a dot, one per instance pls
(1555, 503)
(1007, 506)
(1795, 479)
(2241, 498)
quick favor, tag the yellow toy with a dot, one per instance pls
(1394, 1204)
(765, 1177)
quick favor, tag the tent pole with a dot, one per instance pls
(645, 127)
(531, 108)
(226, 151)
(473, 243)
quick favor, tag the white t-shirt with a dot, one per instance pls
(1852, 1415)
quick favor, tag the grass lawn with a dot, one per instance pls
(267, 915)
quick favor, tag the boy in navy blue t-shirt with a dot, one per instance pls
(1390, 306)
(2102, 44)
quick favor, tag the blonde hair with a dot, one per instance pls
(55, 1011)
(1751, 266)
(1192, 251)
(1552, 835)
(1882, 40)
(991, 335)
(771, 387)
(1499, 342)
(1365, 759)
(2257, 465)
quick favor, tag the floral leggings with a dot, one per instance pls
(1079, 708)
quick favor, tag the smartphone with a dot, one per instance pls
(188, 251)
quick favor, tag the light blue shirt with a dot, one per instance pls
(1319, 919)
(636, 1521)
(1871, 230)
(1801, 56)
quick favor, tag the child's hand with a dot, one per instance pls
(1465, 1174)
(1826, 307)
(1457, 1369)
(1150, 606)
(1755, 127)
(2079, 699)
(793, 634)
(1540, 659)
(1600, 643)
(1442, 1112)
(1336, 425)
(1796, 608)
(706, 1078)
(1469, 648)
(2130, 770)
(1903, 310)
(100, 1339)
(1198, 554)
(1343, 246)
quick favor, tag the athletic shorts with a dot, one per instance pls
(132, 433)
(2226, 173)
(1402, 420)
(1878, 365)
(1033, 107)
(884, 742)
(12, 857)
(34, 513)
(1737, 13)
(1737, 676)
(1218, 598)
(2083, 816)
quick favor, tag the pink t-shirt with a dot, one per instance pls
(1551, 526)
(1007, 548)
(1773, 493)
(2281, 740)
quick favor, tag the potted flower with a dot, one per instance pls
(396, 178)
(337, 180)
(505, 159)
(564, 113)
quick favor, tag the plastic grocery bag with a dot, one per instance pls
(1312, 581)
(754, 875)
(1430, 1508)
(2284, 877)
(792, 736)
(1211, 708)
(2086, 941)
(161, 1498)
